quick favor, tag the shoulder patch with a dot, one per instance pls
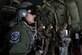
(15, 36)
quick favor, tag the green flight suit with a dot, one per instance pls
(21, 39)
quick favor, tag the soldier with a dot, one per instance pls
(64, 40)
(22, 36)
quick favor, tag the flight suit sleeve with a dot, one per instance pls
(21, 46)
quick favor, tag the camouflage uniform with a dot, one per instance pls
(64, 43)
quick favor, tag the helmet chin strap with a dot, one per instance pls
(25, 21)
